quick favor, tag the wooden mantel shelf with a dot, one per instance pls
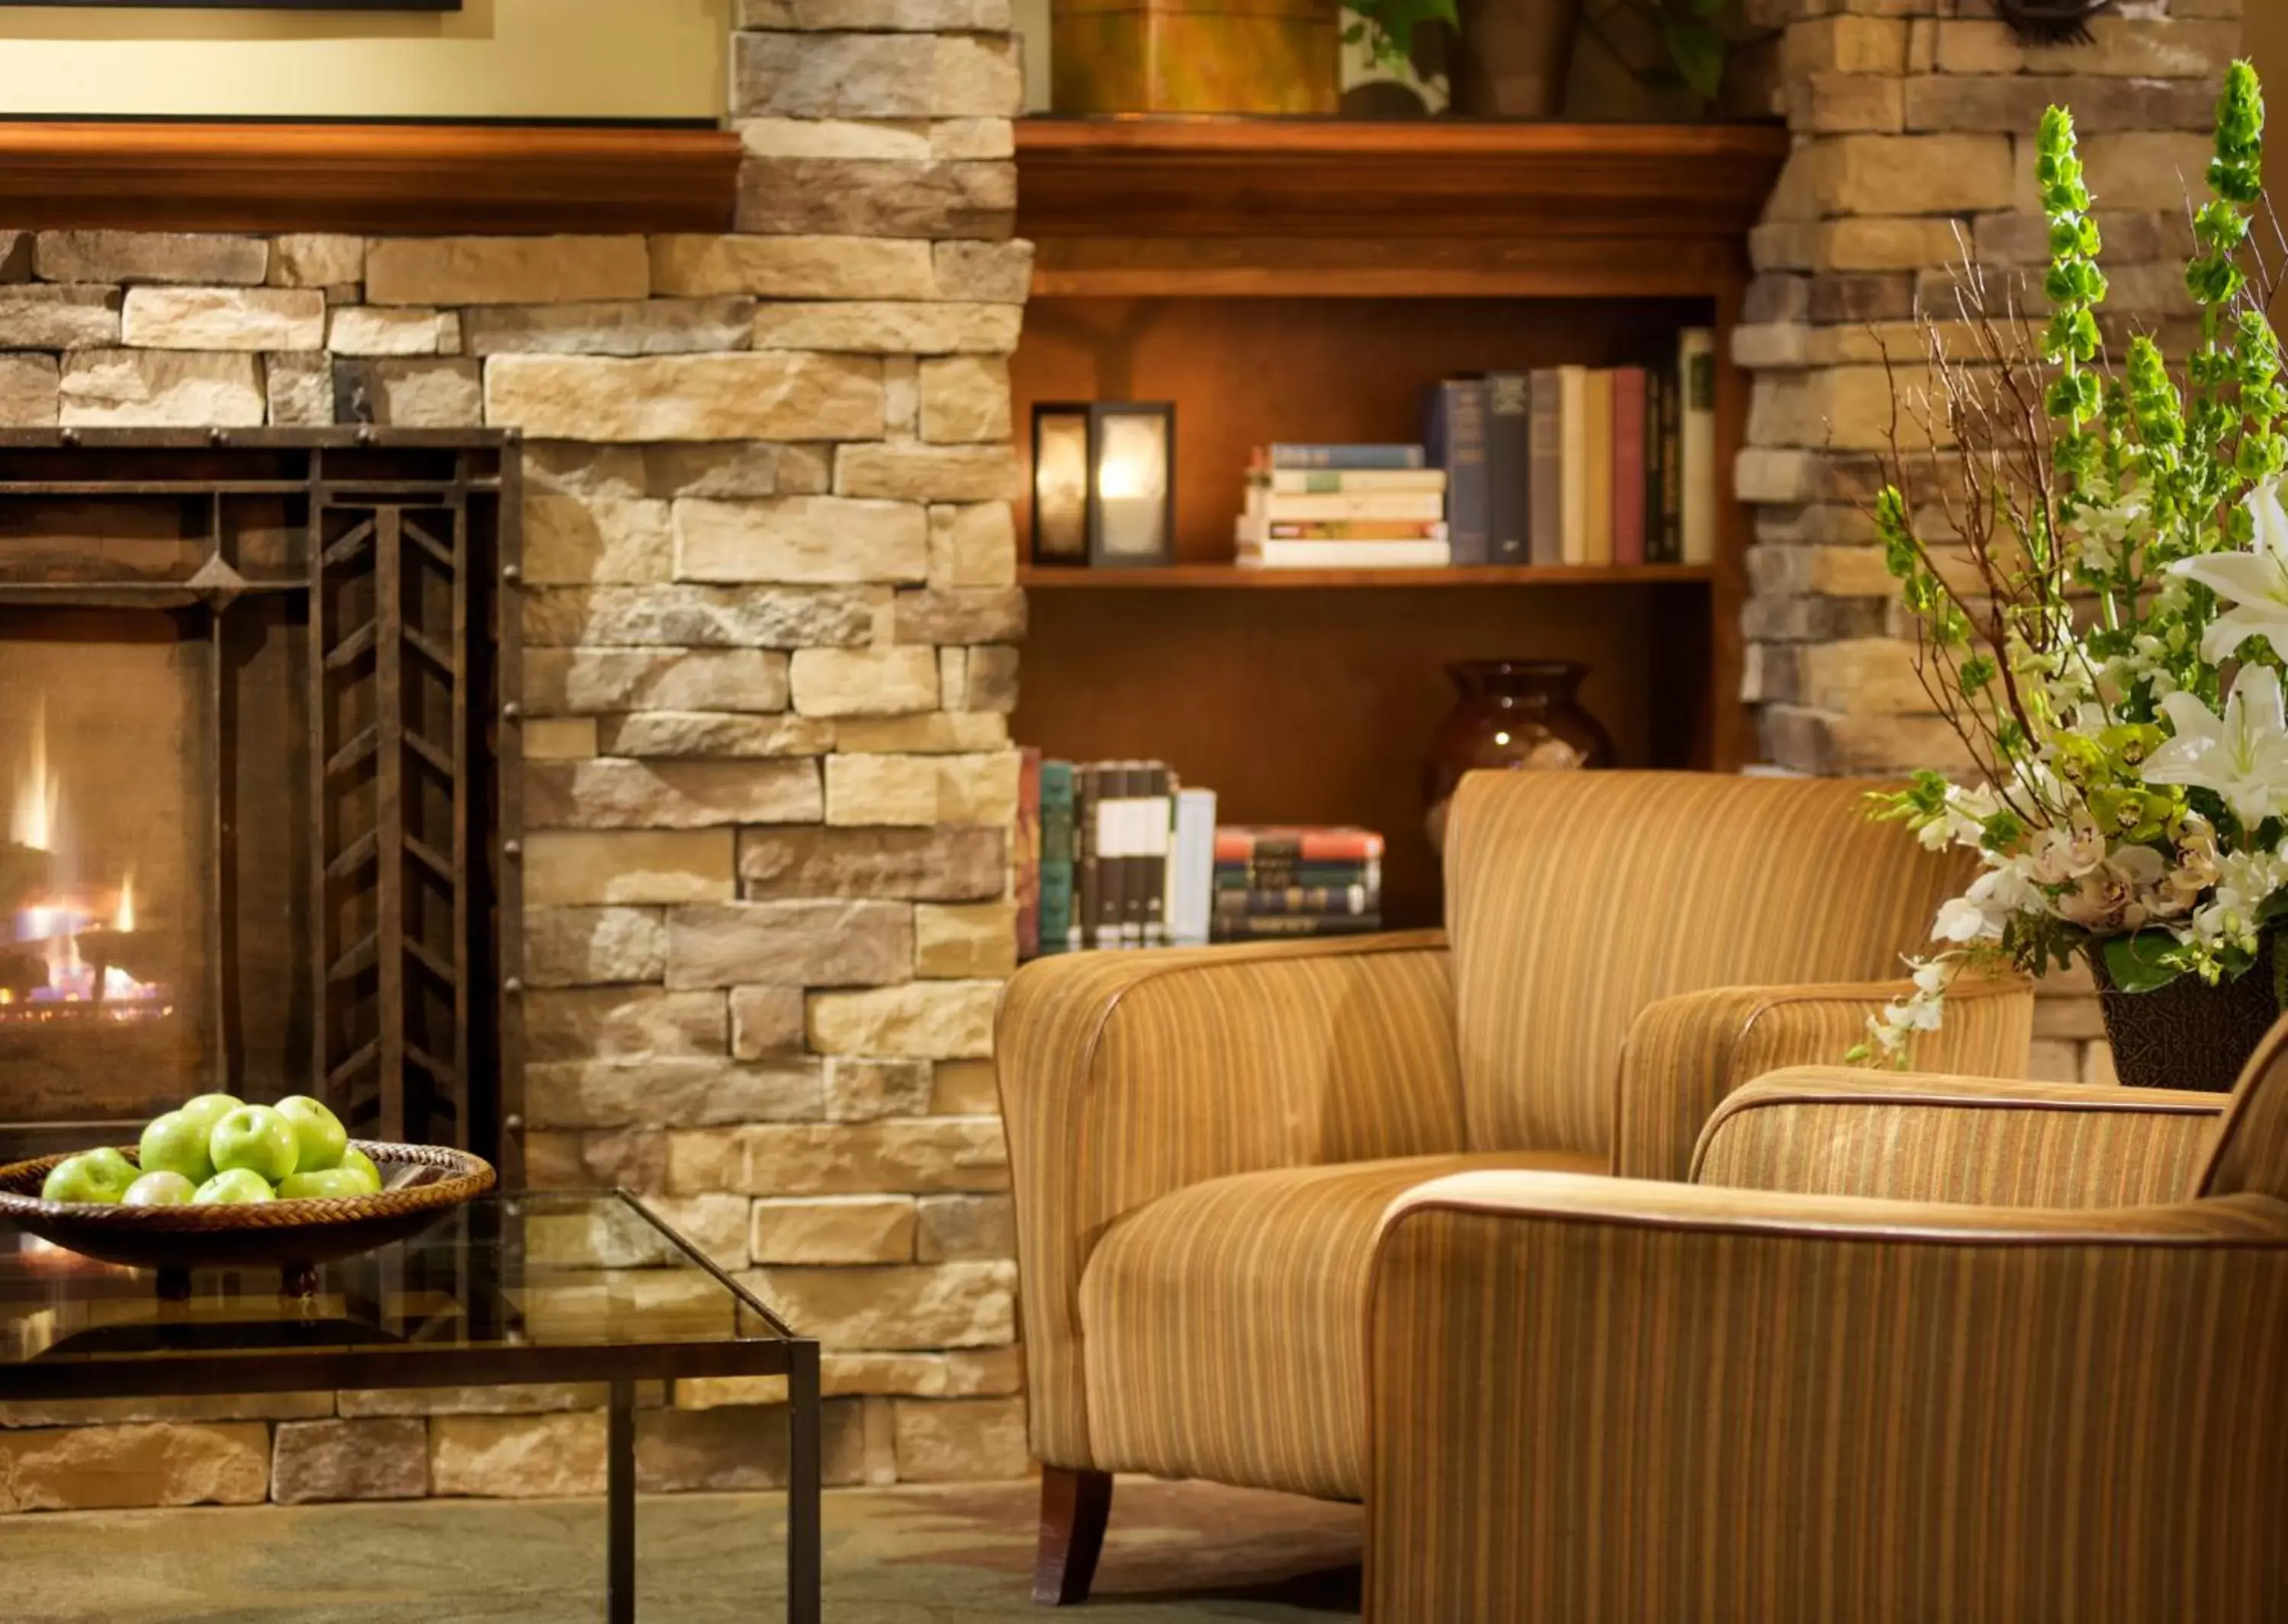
(1248, 178)
(518, 178)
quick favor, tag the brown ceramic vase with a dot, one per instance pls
(2189, 1034)
(1517, 715)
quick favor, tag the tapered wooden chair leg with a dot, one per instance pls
(1074, 1507)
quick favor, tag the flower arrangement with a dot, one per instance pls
(2098, 569)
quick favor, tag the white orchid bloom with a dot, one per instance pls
(1981, 913)
(2255, 582)
(1961, 920)
(2243, 756)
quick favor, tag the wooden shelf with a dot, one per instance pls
(494, 179)
(1223, 576)
(1305, 279)
(1353, 208)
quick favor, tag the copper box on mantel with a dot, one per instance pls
(1196, 56)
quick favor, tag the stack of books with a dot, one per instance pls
(1111, 854)
(1279, 882)
(1578, 466)
(1120, 854)
(1343, 507)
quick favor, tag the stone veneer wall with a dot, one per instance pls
(1914, 121)
(770, 618)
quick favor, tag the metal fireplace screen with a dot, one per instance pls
(252, 693)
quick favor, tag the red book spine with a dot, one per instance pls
(1328, 845)
(1629, 465)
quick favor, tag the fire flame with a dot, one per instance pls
(60, 917)
(39, 797)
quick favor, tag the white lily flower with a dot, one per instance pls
(2243, 756)
(2255, 582)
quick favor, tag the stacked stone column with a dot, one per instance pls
(1914, 123)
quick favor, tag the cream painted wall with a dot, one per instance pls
(494, 59)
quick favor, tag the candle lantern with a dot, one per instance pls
(1104, 484)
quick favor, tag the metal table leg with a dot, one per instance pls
(803, 1422)
(620, 1507)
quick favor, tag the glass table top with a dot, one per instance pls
(570, 1273)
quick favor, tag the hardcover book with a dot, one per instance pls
(1299, 899)
(1456, 441)
(1342, 529)
(1546, 481)
(1352, 507)
(1268, 927)
(1597, 471)
(1243, 843)
(1189, 912)
(1629, 463)
(1345, 555)
(1289, 455)
(1696, 372)
(1058, 927)
(1088, 809)
(1029, 854)
(1509, 472)
(1573, 454)
(1346, 481)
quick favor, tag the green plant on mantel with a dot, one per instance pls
(1692, 41)
(1386, 27)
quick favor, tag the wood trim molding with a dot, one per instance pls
(1358, 178)
(374, 178)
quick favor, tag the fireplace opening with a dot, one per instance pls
(257, 836)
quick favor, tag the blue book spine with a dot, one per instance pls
(1456, 440)
(1056, 855)
(1345, 456)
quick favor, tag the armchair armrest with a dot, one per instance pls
(1683, 1055)
(1641, 1402)
(1827, 1131)
(1125, 1076)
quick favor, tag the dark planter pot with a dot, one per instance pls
(1512, 714)
(2189, 1034)
(1514, 58)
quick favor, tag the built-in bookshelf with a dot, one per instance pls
(1306, 279)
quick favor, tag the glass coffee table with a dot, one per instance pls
(509, 1289)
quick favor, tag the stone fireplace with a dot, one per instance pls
(250, 756)
(770, 621)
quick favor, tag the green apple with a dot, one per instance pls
(236, 1187)
(176, 1143)
(208, 1109)
(325, 1184)
(354, 1160)
(256, 1139)
(160, 1190)
(91, 1178)
(317, 1130)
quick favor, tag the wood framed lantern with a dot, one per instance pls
(1104, 484)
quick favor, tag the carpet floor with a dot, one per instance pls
(1177, 1554)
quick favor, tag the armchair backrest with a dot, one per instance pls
(1574, 900)
(2250, 1156)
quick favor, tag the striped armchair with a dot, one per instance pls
(1907, 1348)
(1203, 1141)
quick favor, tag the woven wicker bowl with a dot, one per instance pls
(419, 1182)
